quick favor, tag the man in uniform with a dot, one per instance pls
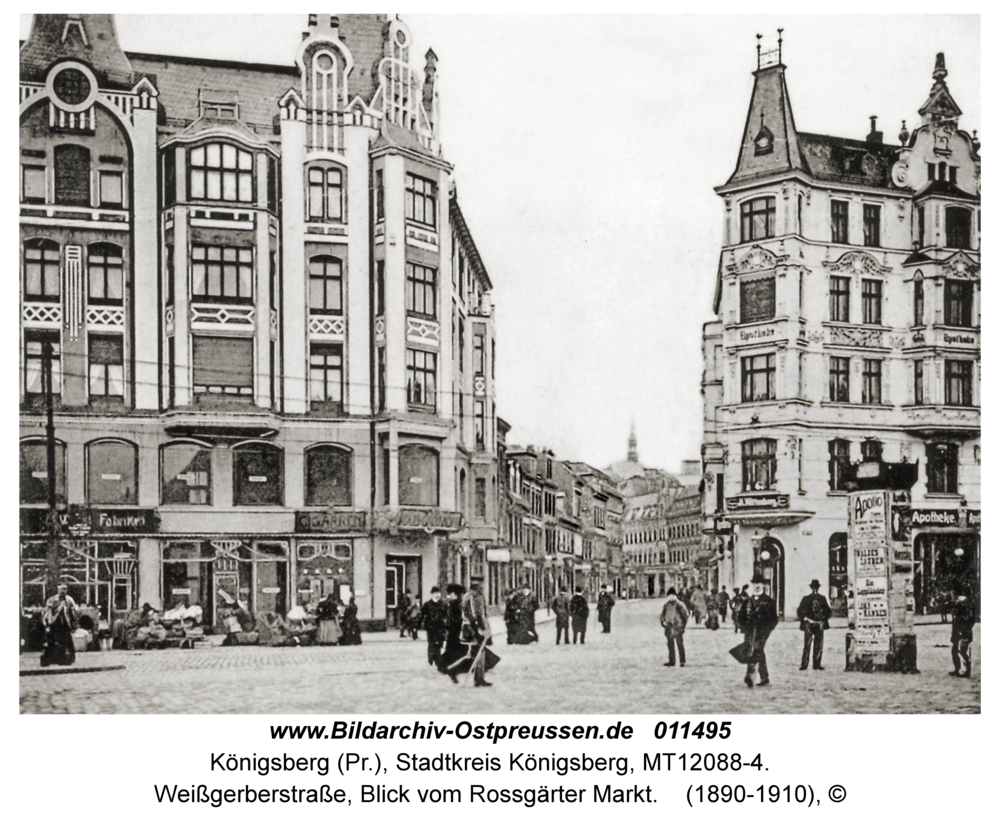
(474, 613)
(434, 617)
(758, 617)
(814, 614)
(605, 602)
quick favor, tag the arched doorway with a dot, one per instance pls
(769, 561)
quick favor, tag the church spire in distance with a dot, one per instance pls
(633, 451)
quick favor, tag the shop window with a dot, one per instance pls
(72, 175)
(760, 462)
(758, 378)
(840, 379)
(871, 301)
(258, 475)
(757, 219)
(420, 204)
(186, 474)
(105, 274)
(326, 374)
(958, 296)
(871, 381)
(222, 366)
(918, 302)
(41, 270)
(942, 468)
(106, 367)
(838, 221)
(756, 300)
(34, 472)
(328, 476)
(872, 220)
(111, 190)
(958, 227)
(421, 378)
(220, 171)
(421, 290)
(112, 472)
(840, 299)
(418, 475)
(325, 286)
(33, 184)
(222, 274)
(34, 343)
(958, 382)
(326, 193)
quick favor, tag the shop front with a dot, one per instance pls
(946, 556)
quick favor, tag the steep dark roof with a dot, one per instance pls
(844, 160)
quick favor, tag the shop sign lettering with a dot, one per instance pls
(428, 520)
(935, 517)
(331, 522)
(757, 502)
(82, 521)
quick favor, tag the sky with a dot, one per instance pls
(586, 151)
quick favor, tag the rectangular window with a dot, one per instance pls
(223, 366)
(942, 468)
(168, 265)
(106, 367)
(32, 184)
(840, 380)
(958, 227)
(757, 219)
(871, 381)
(481, 498)
(760, 463)
(421, 290)
(220, 171)
(272, 185)
(920, 226)
(871, 450)
(758, 378)
(421, 378)
(958, 302)
(918, 303)
(380, 366)
(840, 461)
(872, 220)
(461, 345)
(325, 286)
(930, 172)
(840, 299)
(326, 194)
(871, 301)
(918, 382)
(185, 474)
(34, 340)
(169, 177)
(379, 196)
(326, 373)
(958, 382)
(756, 300)
(478, 354)
(420, 204)
(953, 174)
(379, 287)
(111, 189)
(105, 275)
(72, 175)
(41, 270)
(221, 274)
(838, 221)
(480, 422)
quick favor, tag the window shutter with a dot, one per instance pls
(223, 361)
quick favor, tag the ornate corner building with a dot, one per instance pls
(273, 351)
(848, 329)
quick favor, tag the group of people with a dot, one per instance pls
(712, 606)
(458, 632)
(574, 612)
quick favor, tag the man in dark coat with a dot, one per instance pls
(434, 617)
(723, 604)
(758, 617)
(605, 602)
(402, 608)
(474, 616)
(560, 606)
(579, 611)
(673, 619)
(454, 648)
(814, 614)
(527, 604)
(60, 619)
(963, 620)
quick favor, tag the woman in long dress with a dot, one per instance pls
(59, 619)
(329, 626)
(349, 626)
(456, 651)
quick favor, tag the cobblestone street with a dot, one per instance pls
(618, 673)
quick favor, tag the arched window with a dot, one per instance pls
(112, 472)
(418, 475)
(328, 476)
(186, 473)
(41, 270)
(325, 286)
(759, 464)
(72, 175)
(105, 274)
(220, 171)
(325, 186)
(258, 470)
(34, 474)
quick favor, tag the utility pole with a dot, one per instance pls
(52, 551)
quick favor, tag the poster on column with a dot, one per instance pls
(868, 539)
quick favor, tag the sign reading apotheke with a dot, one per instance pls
(80, 521)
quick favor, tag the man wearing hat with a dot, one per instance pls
(474, 614)
(673, 619)
(758, 618)
(814, 617)
(434, 617)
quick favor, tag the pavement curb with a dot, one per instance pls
(69, 671)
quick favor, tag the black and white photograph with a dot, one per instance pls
(499, 364)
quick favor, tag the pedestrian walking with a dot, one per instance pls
(402, 610)
(60, 620)
(434, 617)
(758, 617)
(510, 614)
(413, 617)
(673, 619)
(605, 603)
(477, 625)
(814, 614)
(712, 607)
(560, 606)
(723, 604)
(963, 621)
(737, 604)
(699, 605)
(526, 605)
(454, 648)
(349, 626)
(579, 612)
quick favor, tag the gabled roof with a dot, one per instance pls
(844, 160)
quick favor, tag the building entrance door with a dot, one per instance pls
(770, 562)
(402, 573)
